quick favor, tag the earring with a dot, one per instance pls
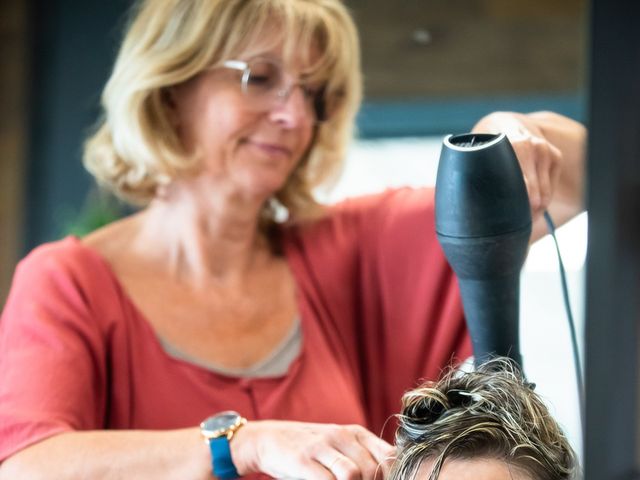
(280, 212)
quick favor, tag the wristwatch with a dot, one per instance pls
(218, 431)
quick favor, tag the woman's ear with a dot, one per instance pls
(168, 96)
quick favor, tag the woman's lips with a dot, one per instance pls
(271, 149)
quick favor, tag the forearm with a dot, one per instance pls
(111, 455)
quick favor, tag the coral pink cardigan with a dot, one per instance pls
(379, 307)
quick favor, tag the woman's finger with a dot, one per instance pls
(380, 450)
(556, 167)
(527, 159)
(548, 165)
(308, 470)
(543, 162)
(352, 448)
(339, 465)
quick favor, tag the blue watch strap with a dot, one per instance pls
(222, 463)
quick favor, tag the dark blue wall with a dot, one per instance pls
(74, 44)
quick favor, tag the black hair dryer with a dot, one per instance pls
(483, 222)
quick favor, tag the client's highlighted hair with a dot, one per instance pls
(490, 413)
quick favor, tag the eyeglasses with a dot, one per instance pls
(264, 83)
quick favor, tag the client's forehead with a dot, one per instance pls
(472, 469)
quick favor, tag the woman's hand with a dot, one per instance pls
(551, 152)
(540, 160)
(296, 450)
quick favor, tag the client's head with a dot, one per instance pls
(485, 425)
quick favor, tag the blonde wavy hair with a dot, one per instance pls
(489, 413)
(135, 149)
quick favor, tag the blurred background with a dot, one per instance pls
(432, 67)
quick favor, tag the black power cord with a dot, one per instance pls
(572, 328)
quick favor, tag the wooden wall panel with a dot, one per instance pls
(458, 48)
(13, 75)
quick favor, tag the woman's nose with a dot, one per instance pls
(291, 108)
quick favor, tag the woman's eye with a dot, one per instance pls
(263, 74)
(311, 91)
(260, 80)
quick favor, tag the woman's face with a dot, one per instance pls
(246, 149)
(472, 469)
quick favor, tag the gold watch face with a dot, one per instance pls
(218, 425)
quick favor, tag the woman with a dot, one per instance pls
(220, 116)
(484, 425)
